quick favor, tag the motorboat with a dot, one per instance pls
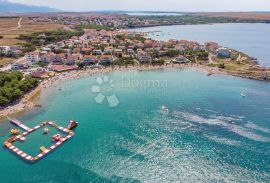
(243, 94)
(164, 108)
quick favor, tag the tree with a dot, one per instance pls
(155, 54)
(13, 85)
(80, 65)
(158, 62)
(3, 101)
(173, 52)
(221, 66)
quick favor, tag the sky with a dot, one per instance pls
(153, 5)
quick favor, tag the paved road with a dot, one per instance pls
(19, 26)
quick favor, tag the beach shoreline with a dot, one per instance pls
(28, 100)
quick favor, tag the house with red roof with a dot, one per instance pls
(62, 68)
(106, 60)
(86, 50)
(58, 59)
(89, 60)
(71, 60)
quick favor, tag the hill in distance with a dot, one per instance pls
(9, 7)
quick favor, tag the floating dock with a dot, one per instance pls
(9, 142)
(18, 123)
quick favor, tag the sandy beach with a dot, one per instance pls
(27, 102)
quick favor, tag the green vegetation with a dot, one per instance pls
(169, 53)
(92, 26)
(81, 65)
(154, 53)
(221, 66)
(136, 37)
(27, 47)
(193, 19)
(47, 37)
(123, 62)
(158, 62)
(9, 54)
(172, 53)
(13, 85)
(200, 54)
(57, 51)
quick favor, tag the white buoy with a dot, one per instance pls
(46, 130)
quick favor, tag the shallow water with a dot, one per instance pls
(210, 133)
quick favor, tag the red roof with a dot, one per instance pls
(71, 57)
(61, 68)
(86, 49)
(106, 57)
(39, 74)
(90, 56)
(61, 55)
(183, 42)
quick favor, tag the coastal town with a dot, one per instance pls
(100, 46)
(134, 91)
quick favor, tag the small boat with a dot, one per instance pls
(46, 130)
(243, 95)
(210, 74)
(72, 124)
(230, 121)
(164, 108)
(14, 131)
(56, 137)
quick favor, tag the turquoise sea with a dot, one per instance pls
(252, 39)
(210, 133)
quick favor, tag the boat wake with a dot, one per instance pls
(228, 123)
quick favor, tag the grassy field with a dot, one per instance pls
(27, 27)
(10, 34)
(4, 61)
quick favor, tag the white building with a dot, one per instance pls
(181, 59)
(4, 49)
(32, 57)
(144, 57)
(17, 66)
